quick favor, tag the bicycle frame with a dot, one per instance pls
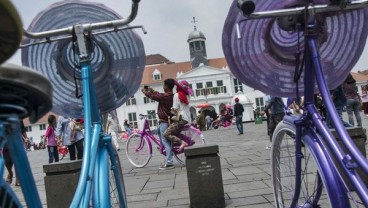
(313, 70)
(311, 129)
(146, 132)
(94, 177)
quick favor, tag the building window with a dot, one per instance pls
(209, 84)
(156, 74)
(157, 77)
(43, 127)
(133, 119)
(238, 85)
(152, 118)
(199, 85)
(131, 101)
(197, 46)
(260, 104)
(147, 100)
(191, 47)
(28, 128)
(219, 83)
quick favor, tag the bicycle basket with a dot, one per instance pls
(117, 58)
(264, 56)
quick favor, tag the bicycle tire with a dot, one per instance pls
(7, 196)
(138, 150)
(283, 179)
(195, 135)
(117, 181)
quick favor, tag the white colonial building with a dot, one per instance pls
(211, 81)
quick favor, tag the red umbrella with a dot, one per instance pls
(203, 105)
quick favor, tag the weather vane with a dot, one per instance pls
(194, 22)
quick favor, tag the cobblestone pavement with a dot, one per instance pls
(245, 165)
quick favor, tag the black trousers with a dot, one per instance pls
(77, 146)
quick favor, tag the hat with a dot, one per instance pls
(184, 85)
(236, 99)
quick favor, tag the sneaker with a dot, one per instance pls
(166, 167)
(268, 148)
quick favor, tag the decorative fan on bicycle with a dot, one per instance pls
(117, 58)
(263, 58)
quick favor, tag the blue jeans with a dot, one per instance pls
(53, 154)
(167, 143)
(339, 112)
(239, 123)
(353, 105)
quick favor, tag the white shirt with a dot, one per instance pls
(185, 109)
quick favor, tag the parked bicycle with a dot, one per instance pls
(307, 162)
(139, 145)
(25, 93)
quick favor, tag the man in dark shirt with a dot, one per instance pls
(165, 102)
(238, 113)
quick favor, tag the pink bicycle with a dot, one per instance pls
(139, 145)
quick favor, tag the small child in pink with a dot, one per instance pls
(51, 139)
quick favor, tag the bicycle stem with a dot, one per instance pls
(310, 8)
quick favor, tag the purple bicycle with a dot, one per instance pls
(139, 145)
(282, 43)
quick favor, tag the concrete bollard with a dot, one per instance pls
(204, 176)
(61, 181)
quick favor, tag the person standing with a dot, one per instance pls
(339, 100)
(201, 121)
(238, 113)
(51, 139)
(114, 127)
(277, 106)
(353, 100)
(208, 121)
(70, 132)
(165, 102)
(364, 98)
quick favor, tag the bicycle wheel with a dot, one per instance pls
(7, 196)
(283, 160)
(138, 150)
(115, 181)
(196, 138)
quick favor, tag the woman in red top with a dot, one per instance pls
(51, 139)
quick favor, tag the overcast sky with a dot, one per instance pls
(168, 23)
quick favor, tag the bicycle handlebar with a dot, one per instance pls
(247, 7)
(89, 26)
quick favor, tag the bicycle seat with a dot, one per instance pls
(263, 58)
(23, 87)
(117, 58)
(10, 30)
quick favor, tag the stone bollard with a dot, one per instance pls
(204, 176)
(61, 181)
(359, 137)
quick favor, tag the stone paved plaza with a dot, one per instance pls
(245, 168)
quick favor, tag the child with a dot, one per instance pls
(51, 139)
